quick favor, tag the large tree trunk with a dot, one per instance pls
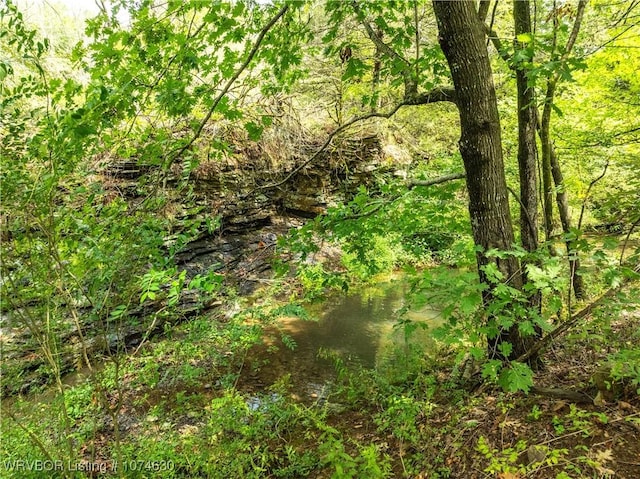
(463, 42)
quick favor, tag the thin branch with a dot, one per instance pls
(228, 85)
(337, 130)
(410, 84)
(576, 27)
(586, 195)
(627, 14)
(626, 239)
(411, 182)
(626, 132)
(492, 37)
(493, 18)
(370, 212)
(33, 436)
(613, 39)
(614, 135)
(435, 95)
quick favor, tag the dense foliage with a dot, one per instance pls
(167, 89)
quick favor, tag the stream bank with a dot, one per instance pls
(252, 216)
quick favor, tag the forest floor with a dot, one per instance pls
(542, 436)
(191, 403)
(173, 407)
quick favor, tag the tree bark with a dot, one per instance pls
(550, 165)
(461, 36)
(527, 146)
(547, 179)
(565, 220)
(375, 79)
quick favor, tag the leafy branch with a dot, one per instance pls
(575, 319)
(256, 46)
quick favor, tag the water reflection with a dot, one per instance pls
(357, 328)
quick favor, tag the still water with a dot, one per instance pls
(359, 328)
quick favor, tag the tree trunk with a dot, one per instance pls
(547, 179)
(461, 36)
(550, 164)
(375, 80)
(565, 220)
(527, 146)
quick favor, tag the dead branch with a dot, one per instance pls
(586, 196)
(573, 396)
(436, 95)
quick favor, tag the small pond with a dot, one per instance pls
(360, 328)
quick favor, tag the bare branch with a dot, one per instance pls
(493, 18)
(497, 43)
(627, 13)
(586, 196)
(436, 95)
(411, 182)
(576, 27)
(327, 142)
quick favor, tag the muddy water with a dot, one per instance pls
(360, 329)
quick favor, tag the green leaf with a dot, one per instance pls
(254, 130)
(492, 272)
(525, 38)
(491, 368)
(505, 349)
(84, 130)
(516, 377)
(355, 68)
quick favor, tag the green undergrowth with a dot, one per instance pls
(177, 409)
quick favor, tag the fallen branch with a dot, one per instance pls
(573, 396)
